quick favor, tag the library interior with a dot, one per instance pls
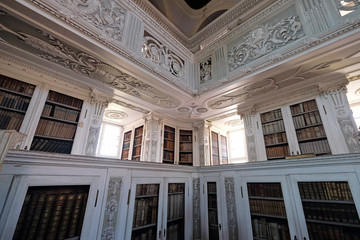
(178, 120)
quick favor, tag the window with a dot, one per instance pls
(109, 140)
(356, 114)
(237, 144)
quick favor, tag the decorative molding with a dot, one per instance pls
(192, 111)
(130, 106)
(196, 209)
(227, 115)
(250, 138)
(115, 115)
(111, 209)
(152, 134)
(263, 40)
(234, 123)
(92, 141)
(55, 51)
(231, 208)
(105, 15)
(162, 55)
(205, 71)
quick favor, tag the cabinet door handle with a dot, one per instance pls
(220, 227)
(295, 238)
(160, 234)
(164, 232)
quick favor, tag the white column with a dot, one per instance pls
(153, 138)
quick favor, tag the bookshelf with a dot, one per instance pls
(267, 209)
(55, 212)
(186, 147)
(275, 138)
(212, 210)
(169, 145)
(15, 97)
(175, 211)
(126, 145)
(58, 123)
(309, 128)
(145, 212)
(138, 136)
(224, 151)
(329, 210)
(215, 148)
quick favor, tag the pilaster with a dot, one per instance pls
(337, 100)
(98, 104)
(152, 141)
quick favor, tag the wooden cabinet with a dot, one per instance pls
(224, 150)
(58, 124)
(212, 210)
(219, 149)
(215, 148)
(15, 97)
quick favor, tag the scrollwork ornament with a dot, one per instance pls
(264, 39)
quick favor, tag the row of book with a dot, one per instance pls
(144, 234)
(51, 145)
(275, 138)
(16, 86)
(64, 99)
(330, 212)
(303, 107)
(307, 119)
(169, 135)
(10, 120)
(175, 231)
(175, 206)
(55, 129)
(311, 132)
(277, 152)
(211, 187)
(14, 101)
(145, 211)
(125, 154)
(212, 201)
(169, 129)
(272, 190)
(325, 191)
(213, 217)
(186, 147)
(331, 232)
(137, 140)
(147, 189)
(139, 131)
(136, 151)
(186, 157)
(267, 207)
(185, 138)
(51, 216)
(176, 188)
(270, 116)
(267, 229)
(186, 132)
(316, 147)
(169, 145)
(127, 136)
(126, 145)
(273, 127)
(60, 113)
(168, 156)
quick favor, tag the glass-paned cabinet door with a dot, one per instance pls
(269, 208)
(327, 205)
(213, 209)
(144, 221)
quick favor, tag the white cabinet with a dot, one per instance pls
(159, 209)
(297, 129)
(302, 206)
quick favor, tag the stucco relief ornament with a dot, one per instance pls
(108, 234)
(205, 71)
(162, 56)
(263, 40)
(107, 16)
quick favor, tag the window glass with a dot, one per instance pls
(237, 144)
(109, 140)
